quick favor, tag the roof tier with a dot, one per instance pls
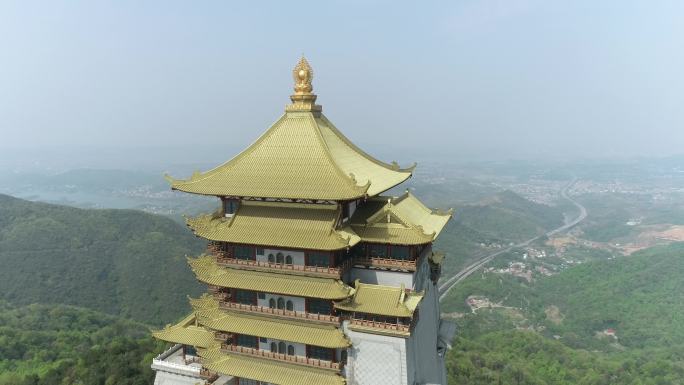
(302, 156)
(210, 315)
(289, 225)
(382, 300)
(265, 370)
(208, 271)
(186, 332)
(403, 220)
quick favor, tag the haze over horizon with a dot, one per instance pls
(482, 79)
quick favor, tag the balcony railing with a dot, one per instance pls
(405, 264)
(333, 272)
(380, 325)
(222, 336)
(282, 312)
(208, 375)
(314, 362)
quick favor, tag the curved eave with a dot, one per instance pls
(327, 336)
(273, 232)
(206, 270)
(267, 371)
(186, 332)
(299, 157)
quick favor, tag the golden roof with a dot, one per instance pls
(382, 300)
(264, 370)
(208, 271)
(400, 220)
(186, 332)
(209, 315)
(290, 225)
(302, 156)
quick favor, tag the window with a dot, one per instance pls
(279, 258)
(281, 303)
(399, 252)
(281, 348)
(319, 259)
(319, 306)
(259, 251)
(271, 258)
(272, 303)
(261, 295)
(247, 341)
(289, 305)
(244, 252)
(263, 340)
(231, 206)
(290, 350)
(274, 347)
(343, 356)
(320, 353)
(246, 381)
(358, 251)
(245, 297)
(377, 251)
(190, 350)
(288, 260)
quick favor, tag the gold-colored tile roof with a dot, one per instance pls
(302, 156)
(186, 332)
(382, 300)
(208, 271)
(211, 316)
(291, 225)
(264, 370)
(401, 220)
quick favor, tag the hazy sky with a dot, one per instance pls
(468, 78)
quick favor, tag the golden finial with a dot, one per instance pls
(303, 99)
(303, 75)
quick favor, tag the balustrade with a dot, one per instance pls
(281, 312)
(324, 364)
(335, 272)
(407, 264)
(380, 325)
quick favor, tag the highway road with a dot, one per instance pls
(445, 287)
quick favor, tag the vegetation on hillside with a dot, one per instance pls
(65, 345)
(501, 219)
(121, 262)
(640, 297)
(515, 357)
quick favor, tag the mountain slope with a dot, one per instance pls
(121, 262)
(58, 344)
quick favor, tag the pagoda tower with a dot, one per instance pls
(314, 276)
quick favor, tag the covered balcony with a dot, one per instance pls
(284, 313)
(306, 361)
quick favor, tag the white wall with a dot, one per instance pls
(376, 359)
(297, 256)
(382, 277)
(298, 302)
(300, 349)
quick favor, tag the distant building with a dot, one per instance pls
(314, 277)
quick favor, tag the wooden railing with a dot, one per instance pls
(283, 357)
(334, 272)
(208, 375)
(222, 336)
(406, 264)
(281, 312)
(380, 325)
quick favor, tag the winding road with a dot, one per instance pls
(445, 287)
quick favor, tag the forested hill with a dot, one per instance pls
(120, 262)
(66, 345)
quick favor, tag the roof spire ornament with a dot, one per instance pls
(303, 98)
